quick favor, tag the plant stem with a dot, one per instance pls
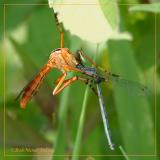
(60, 139)
(81, 126)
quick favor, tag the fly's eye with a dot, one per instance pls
(58, 49)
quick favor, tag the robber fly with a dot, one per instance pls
(63, 60)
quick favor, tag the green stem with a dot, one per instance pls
(124, 153)
(81, 126)
(76, 149)
(60, 143)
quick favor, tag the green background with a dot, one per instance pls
(52, 123)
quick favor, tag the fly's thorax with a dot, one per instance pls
(69, 57)
(71, 60)
(61, 58)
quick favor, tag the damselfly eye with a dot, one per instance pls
(78, 57)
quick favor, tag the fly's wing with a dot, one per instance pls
(132, 87)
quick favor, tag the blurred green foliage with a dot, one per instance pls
(52, 122)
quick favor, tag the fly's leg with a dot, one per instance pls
(61, 80)
(69, 68)
(87, 58)
(90, 60)
(93, 89)
(89, 82)
(58, 79)
(61, 39)
(65, 84)
(61, 30)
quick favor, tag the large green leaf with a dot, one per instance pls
(111, 12)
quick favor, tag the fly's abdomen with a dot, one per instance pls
(33, 86)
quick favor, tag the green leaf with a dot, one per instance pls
(154, 8)
(110, 10)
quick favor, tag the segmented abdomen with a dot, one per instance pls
(33, 86)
